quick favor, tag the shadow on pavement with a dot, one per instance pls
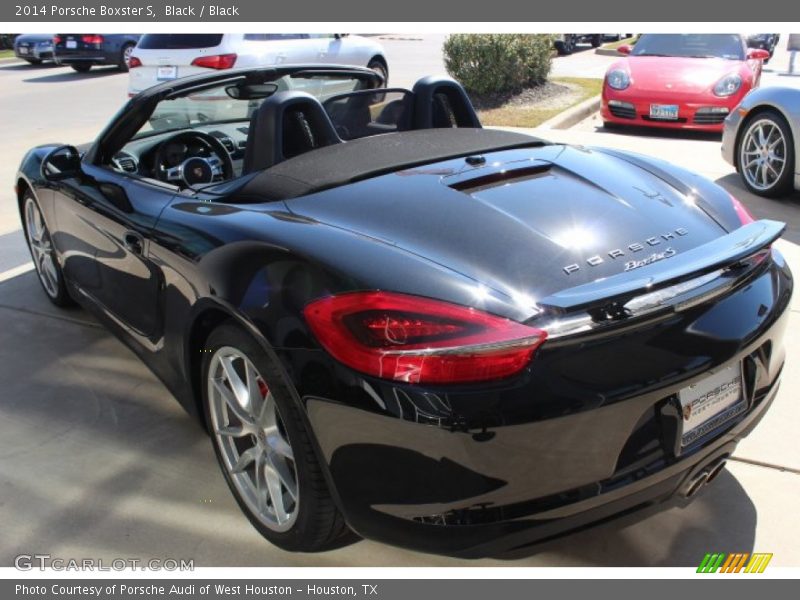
(655, 133)
(721, 518)
(70, 75)
(25, 66)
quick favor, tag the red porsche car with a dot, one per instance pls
(689, 81)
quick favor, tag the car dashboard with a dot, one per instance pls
(139, 156)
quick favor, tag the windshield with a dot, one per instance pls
(716, 45)
(227, 103)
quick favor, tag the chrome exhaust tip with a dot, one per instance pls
(695, 484)
(705, 475)
(714, 472)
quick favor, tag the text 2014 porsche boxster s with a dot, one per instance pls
(394, 321)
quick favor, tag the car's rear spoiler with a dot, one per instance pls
(719, 253)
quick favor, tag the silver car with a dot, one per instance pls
(760, 139)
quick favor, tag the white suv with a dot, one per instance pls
(163, 56)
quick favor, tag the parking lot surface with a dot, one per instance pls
(97, 460)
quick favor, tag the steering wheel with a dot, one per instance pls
(194, 170)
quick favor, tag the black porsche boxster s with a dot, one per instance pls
(396, 322)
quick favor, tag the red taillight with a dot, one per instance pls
(57, 39)
(134, 62)
(92, 39)
(418, 340)
(741, 211)
(218, 61)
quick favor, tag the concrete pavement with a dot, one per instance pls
(97, 460)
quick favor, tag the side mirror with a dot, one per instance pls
(757, 54)
(61, 163)
(625, 49)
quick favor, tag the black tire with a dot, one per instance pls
(124, 55)
(57, 292)
(566, 46)
(318, 525)
(81, 67)
(379, 65)
(34, 61)
(784, 185)
(597, 40)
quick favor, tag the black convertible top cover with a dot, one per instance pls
(339, 164)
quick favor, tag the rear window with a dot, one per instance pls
(179, 41)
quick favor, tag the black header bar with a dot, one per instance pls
(369, 11)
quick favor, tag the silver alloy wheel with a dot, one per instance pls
(41, 248)
(378, 67)
(762, 154)
(252, 439)
(126, 55)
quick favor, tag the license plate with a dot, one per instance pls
(71, 44)
(165, 73)
(711, 402)
(665, 112)
(23, 50)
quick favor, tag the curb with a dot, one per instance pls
(573, 115)
(10, 60)
(607, 52)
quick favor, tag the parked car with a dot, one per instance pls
(565, 42)
(34, 47)
(760, 140)
(689, 81)
(765, 41)
(160, 57)
(82, 51)
(445, 337)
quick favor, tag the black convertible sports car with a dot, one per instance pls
(394, 321)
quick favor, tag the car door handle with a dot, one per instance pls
(133, 242)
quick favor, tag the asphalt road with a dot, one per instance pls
(97, 460)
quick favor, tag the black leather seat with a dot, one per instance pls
(285, 125)
(442, 102)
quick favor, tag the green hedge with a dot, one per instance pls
(498, 63)
(7, 40)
